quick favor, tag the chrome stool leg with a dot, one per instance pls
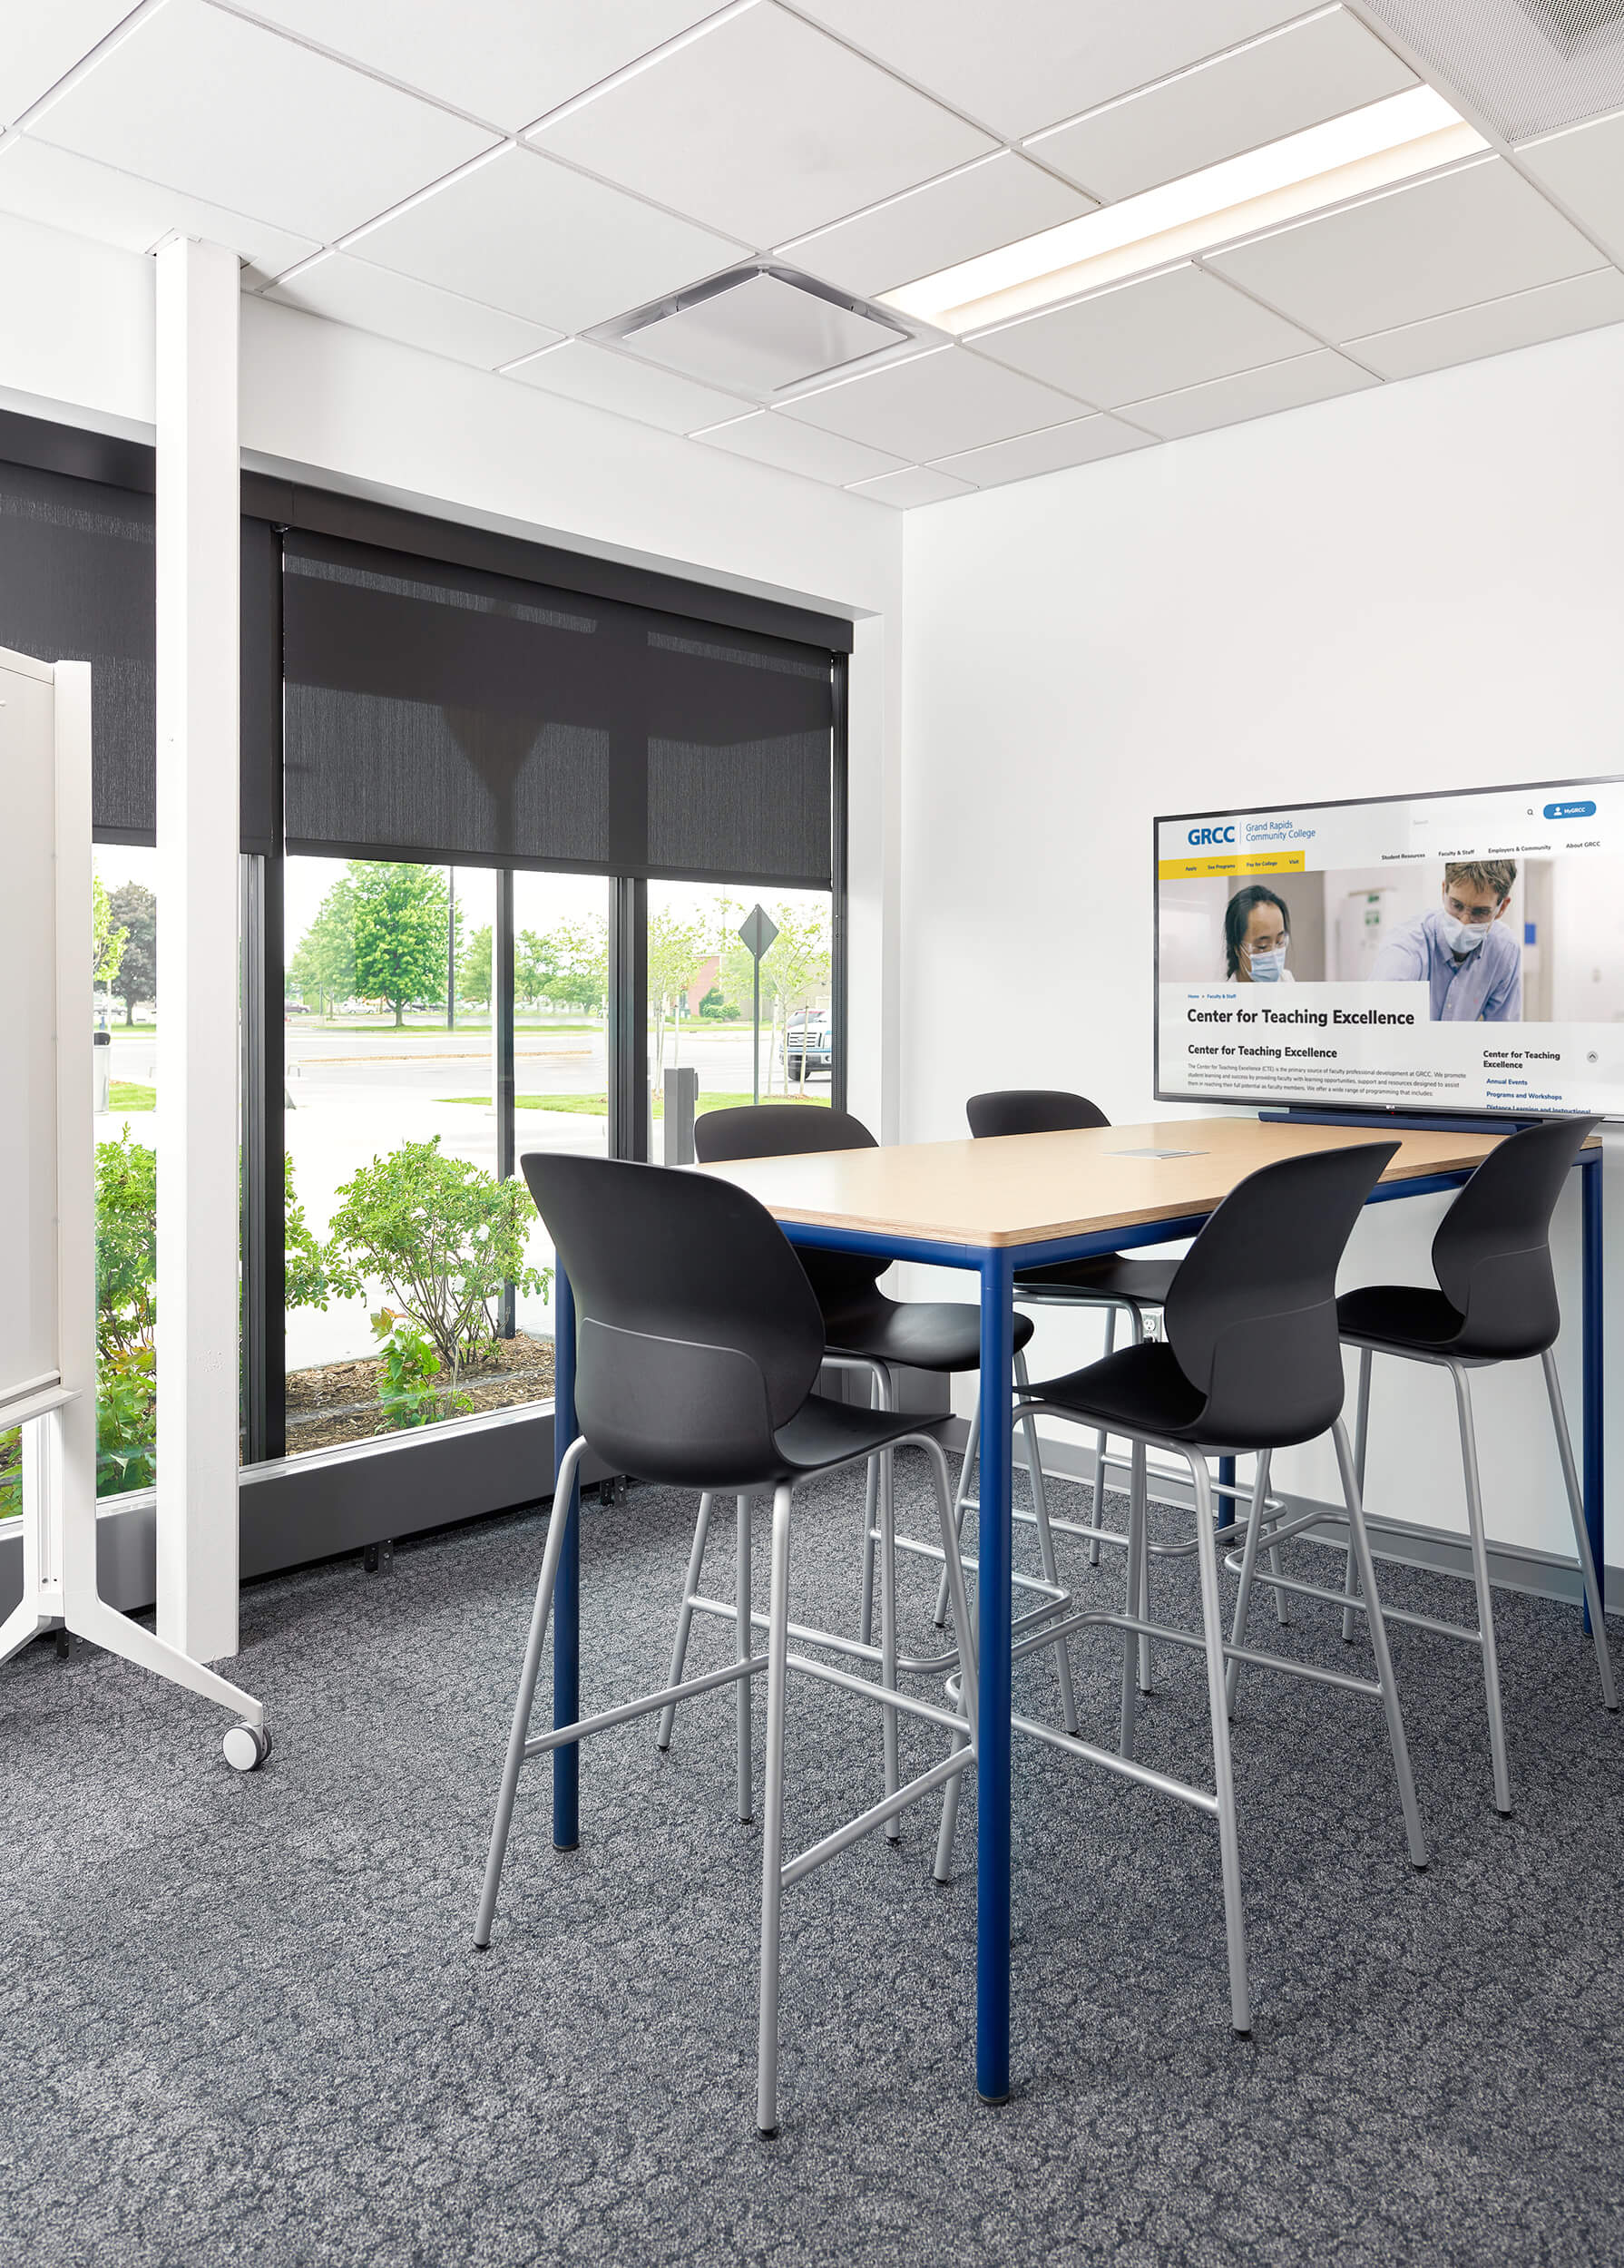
(1135, 1602)
(1243, 1596)
(1039, 1497)
(960, 1501)
(557, 1523)
(1485, 1597)
(1212, 1627)
(1101, 1442)
(878, 1399)
(887, 1550)
(746, 1648)
(1361, 1443)
(1359, 1546)
(772, 1825)
(696, 1567)
(1582, 1534)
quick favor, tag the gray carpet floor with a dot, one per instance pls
(242, 2020)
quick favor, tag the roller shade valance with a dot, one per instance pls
(441, 712)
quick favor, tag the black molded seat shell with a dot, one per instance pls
(698, 1339)
(1252, 1356)
(1491, 1257)
(1113, 1276)
(1398, 1315)
(1030, 1110)
(925, 1334)
(942, 1336)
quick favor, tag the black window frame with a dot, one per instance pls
(311, 1505)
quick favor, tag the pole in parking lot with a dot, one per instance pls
(756, 935)
(451, 948)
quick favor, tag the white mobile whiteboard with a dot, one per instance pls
(30, 1356)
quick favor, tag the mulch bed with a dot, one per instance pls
(338, 1401)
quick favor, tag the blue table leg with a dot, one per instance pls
(995, 1550)
(1595, 1501)
(566, 1597)
(1226, 1504)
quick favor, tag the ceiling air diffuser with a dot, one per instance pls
(756, 330)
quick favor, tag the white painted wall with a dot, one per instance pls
(1417, 587)
(387, 421)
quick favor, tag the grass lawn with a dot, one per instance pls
(597, 1106)
(127, 1094)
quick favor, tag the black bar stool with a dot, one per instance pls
(1496, 1302)
(1251, 1362)
(866, 1331)
(699, 1345)
(1115, 1283)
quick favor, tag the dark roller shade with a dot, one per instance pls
(441, 712)
(77, 584)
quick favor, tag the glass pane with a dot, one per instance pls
(702, 998)
(125, 919)
(561, 1052)
(399, 1238)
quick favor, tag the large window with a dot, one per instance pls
(749, 1041)
(504, 812)
(124, 916)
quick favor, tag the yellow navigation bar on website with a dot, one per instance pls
(1231, 863)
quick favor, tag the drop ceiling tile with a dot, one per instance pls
(1585, 168)
(1026, 63)
(1178, 328)
(794, 447)
(509, 61)
(1580, 304)
(918, 485)
(522, 233)
(934, 406)
(763, 127)
(71, 192)
(1084, 441)
(988, 204)
(1474, 234)
(371, 299)
(222, 110)
(1315, 377)
(1276, 85)
(632, 390)
(40, 42)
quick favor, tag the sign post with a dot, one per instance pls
(756, 933)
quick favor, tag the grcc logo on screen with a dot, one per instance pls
(1212, 835)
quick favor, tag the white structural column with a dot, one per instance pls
(198, 517)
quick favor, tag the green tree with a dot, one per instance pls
(443, 1237)
(473, 966)
(135, 909)
(581, 971)
(797, 967)
(535, 966)
(324, 964)
(400, 917)
(677, 949)
(107, 939)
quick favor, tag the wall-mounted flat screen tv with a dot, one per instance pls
(1459, 953)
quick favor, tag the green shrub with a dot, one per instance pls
(126, 1245)
(409, 1392)
(443, 1237)
(126, 1422)
(10, 1471)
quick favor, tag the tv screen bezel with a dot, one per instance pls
(1303, 1103)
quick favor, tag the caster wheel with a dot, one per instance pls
(246, 1749)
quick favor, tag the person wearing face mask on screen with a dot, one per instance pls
(1469, 957)
(1256, 931)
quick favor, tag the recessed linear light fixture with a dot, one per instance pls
(1369, 149)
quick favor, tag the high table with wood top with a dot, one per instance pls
(1021, 1201)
